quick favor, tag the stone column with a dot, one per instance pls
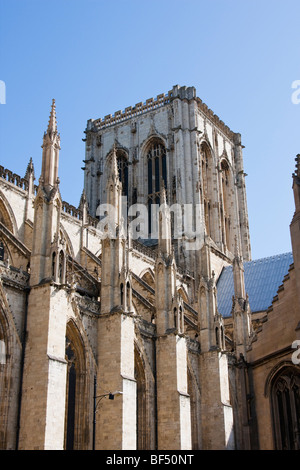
(44, 386)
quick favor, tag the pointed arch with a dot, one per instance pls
(65, 236)
(283, 389)
(227, 202)
(147, 275)
(76, 392)
(7, 216)
(207, 190)
(183, 293)
(156, 169)
(10, 351)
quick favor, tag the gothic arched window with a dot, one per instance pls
(225, 176)
(285, 396)
(76, 436)
(157, 170)
(157, 173)
(206, 186)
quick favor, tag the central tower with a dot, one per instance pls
(175, 142)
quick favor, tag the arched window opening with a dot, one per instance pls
(225, 183)
(53, 264)
(175, 318)
(76, 435)
(222, 338)
(285, 400)
(217, 336)
(157, 174)
(206, 184)
(128, 296)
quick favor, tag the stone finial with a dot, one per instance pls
(83, 200)
(29, 170)
(114, 170)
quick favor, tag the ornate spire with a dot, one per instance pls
(83, 199)
(52, 126)
(51, 147)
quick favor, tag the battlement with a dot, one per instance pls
(130, 112)
(13, 178)
(181, 92)
(22, 183)
(215, 119)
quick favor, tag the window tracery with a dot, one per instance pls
(285, 398)
(157, 174)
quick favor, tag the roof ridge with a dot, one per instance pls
(270, 257)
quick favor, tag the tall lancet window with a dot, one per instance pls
(206, 187)
(285, 399)
(76, 435)
(225, 175)
(157, 173)
(122, 162)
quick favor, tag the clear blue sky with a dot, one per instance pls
(96, 57)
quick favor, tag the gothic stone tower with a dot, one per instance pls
(174, 141)
(174, 150)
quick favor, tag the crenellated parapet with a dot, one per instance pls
(13, 178)
(132, 111)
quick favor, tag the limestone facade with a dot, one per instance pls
(117, 342)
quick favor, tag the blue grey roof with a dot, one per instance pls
(262, 279)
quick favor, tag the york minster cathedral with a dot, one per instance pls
(124, 323)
